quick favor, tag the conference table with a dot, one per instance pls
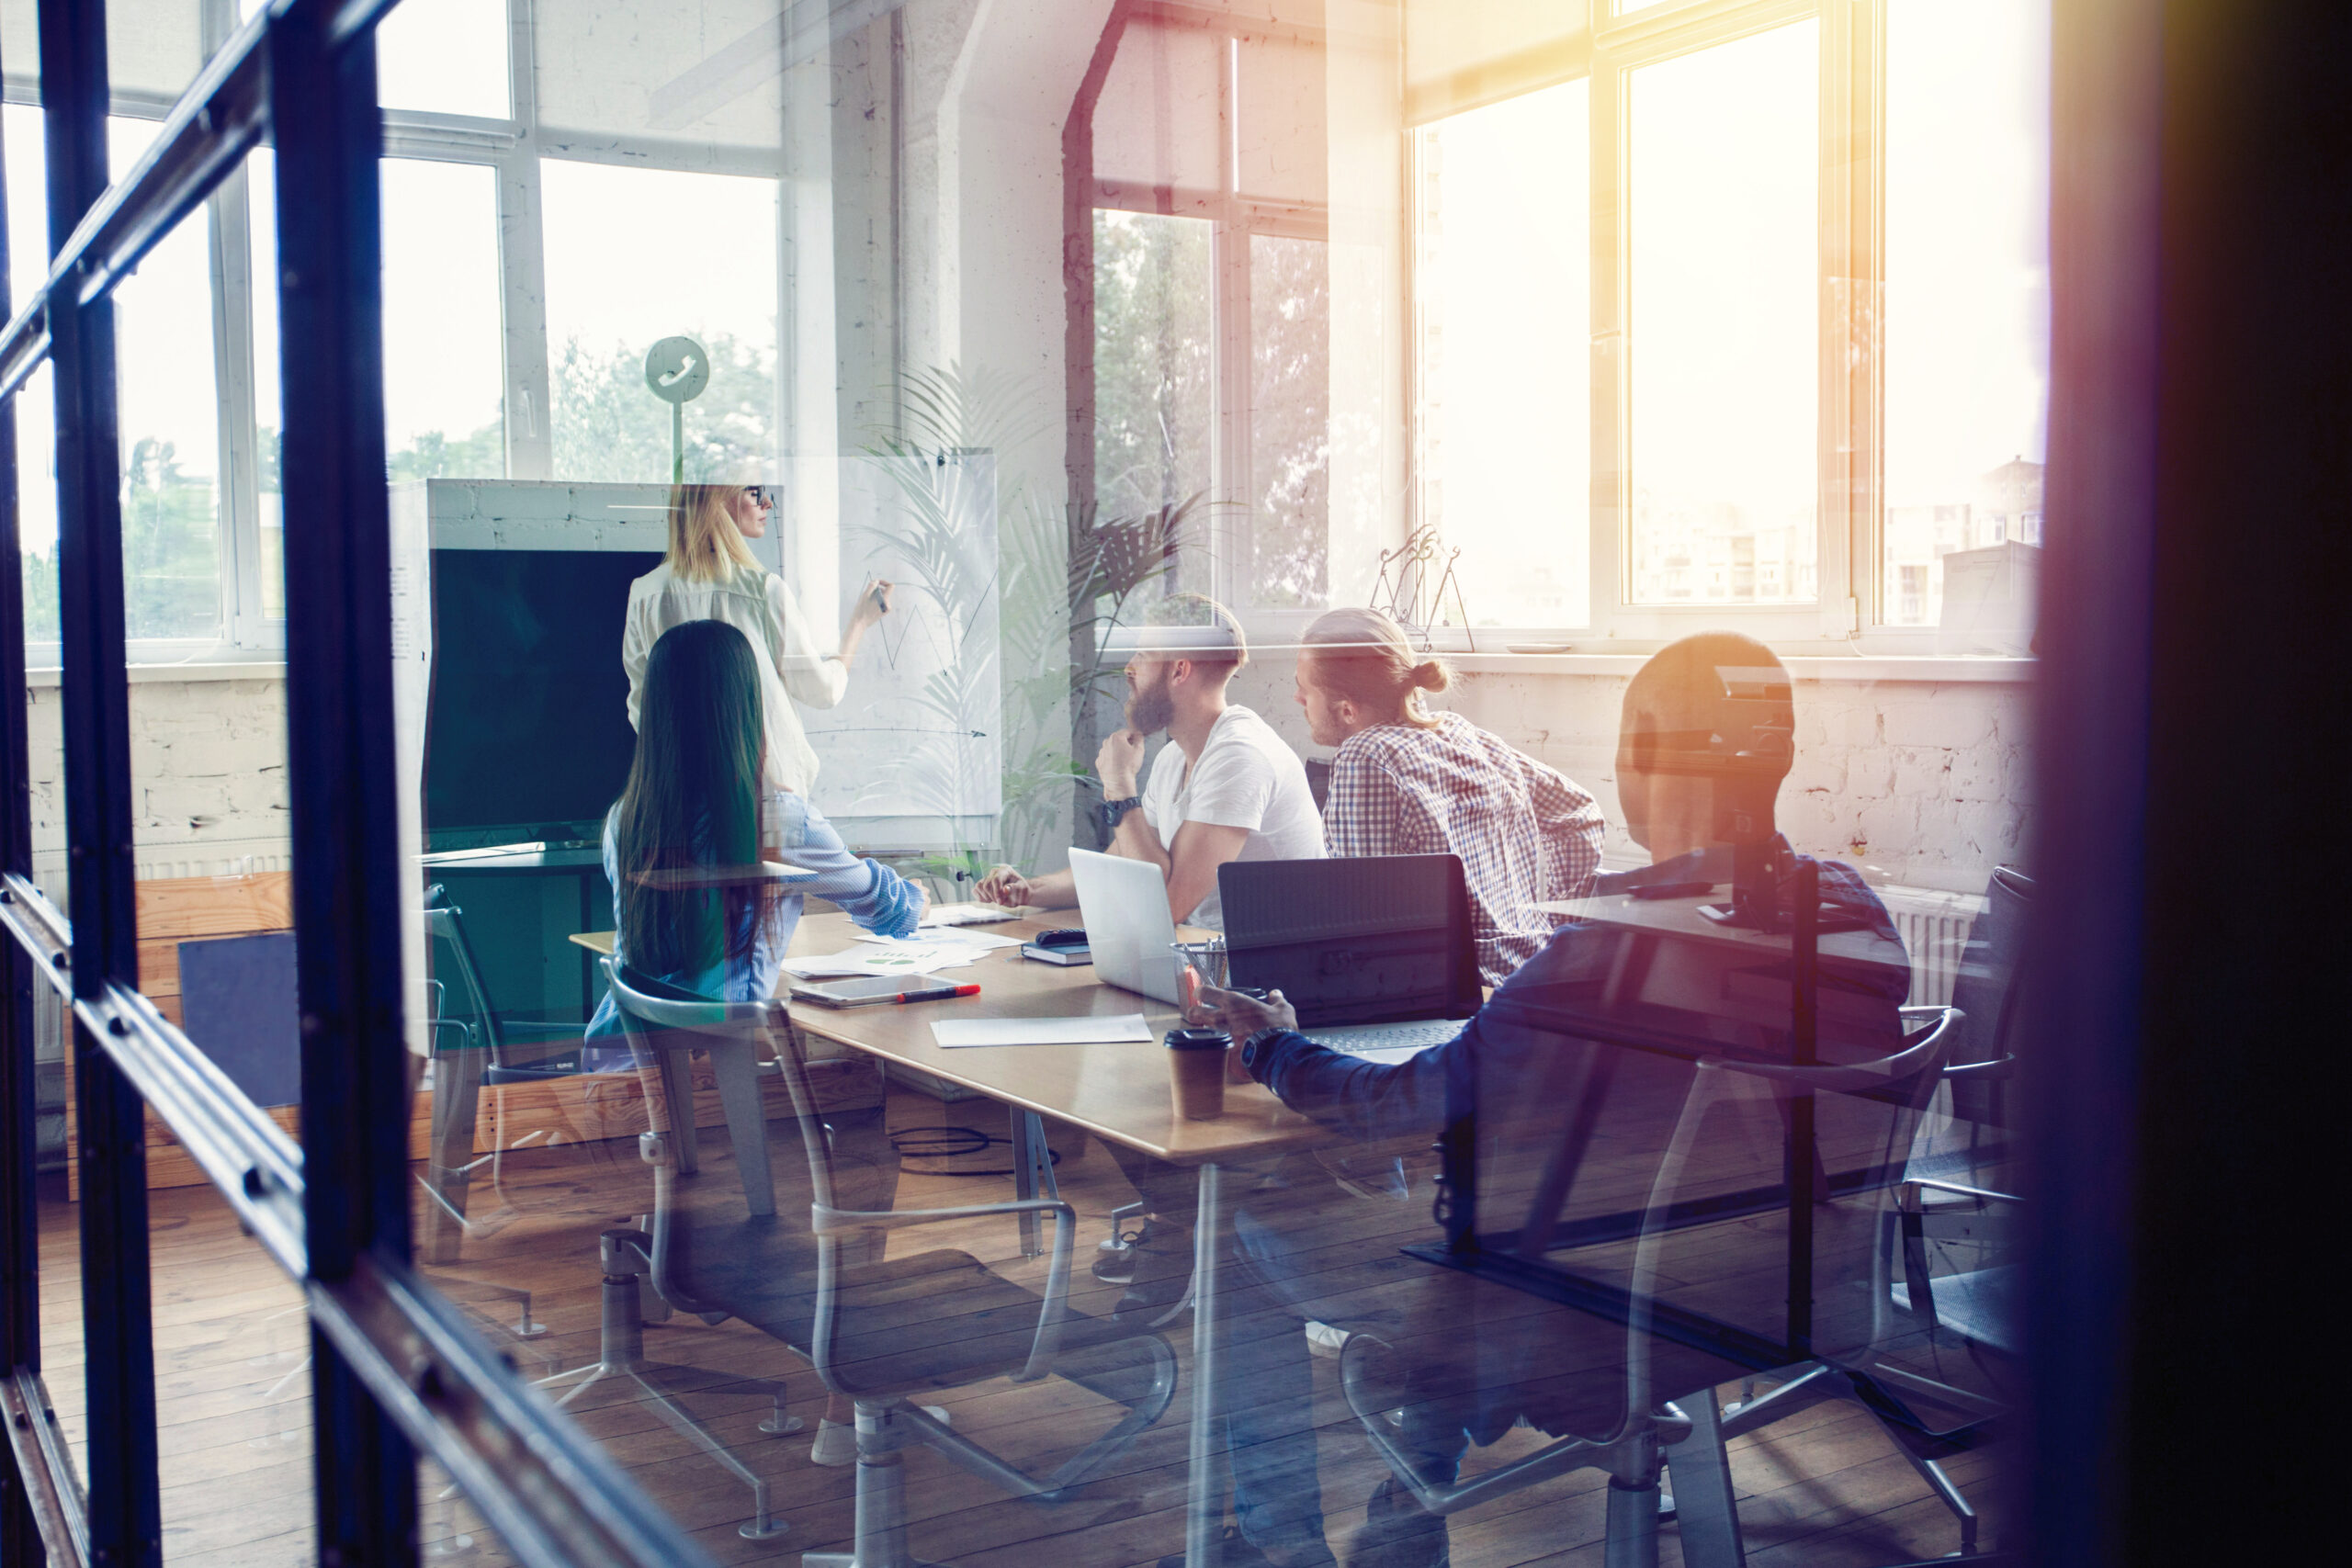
(1118, 1092)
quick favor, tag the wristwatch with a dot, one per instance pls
(1250, 1046)
(1114, 809)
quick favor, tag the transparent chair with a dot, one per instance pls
(1631, 1225)
(729, 1239)
(476, 1046)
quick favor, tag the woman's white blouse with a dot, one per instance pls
(756, 602)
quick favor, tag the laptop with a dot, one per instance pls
(1376, 954)
(1124, 904)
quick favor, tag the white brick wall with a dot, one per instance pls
(208, 771)
(1923, 782)
(1926, 782)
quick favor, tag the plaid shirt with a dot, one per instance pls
(1525, 833)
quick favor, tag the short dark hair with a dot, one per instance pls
(1717, 705)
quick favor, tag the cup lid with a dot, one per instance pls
(1196, 1040)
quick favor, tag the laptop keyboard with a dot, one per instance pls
(1361, 1039)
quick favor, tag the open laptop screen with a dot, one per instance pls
(1385, 939)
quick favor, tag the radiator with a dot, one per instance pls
(1934, 928)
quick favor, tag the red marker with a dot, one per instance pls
(940, 995)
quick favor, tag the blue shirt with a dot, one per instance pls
(873, 896)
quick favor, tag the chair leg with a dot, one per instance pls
(1632, 1524)
(1941, 1485)
(620, 1353)
(1705, 1506)
(880, 1541)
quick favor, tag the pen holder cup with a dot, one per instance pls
(1198, 964)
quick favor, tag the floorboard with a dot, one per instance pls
(1824, 1486)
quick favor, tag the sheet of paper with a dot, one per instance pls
(968, 914)
(888, 958)
(965, 935)
(1040, 1031)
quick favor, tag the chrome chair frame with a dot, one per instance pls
(1688, 1434)
(887, 1424)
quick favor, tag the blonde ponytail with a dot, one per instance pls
(1361, 655)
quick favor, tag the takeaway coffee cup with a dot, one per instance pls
(1196, 1072)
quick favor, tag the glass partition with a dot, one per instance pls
(889, 502)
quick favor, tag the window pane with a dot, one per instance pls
(444, 55)
(1725, 322)
(1503, 312)
(170, 430)
(1290, 419)
(1967, 288)
(35, 403)
(608, 302)
(261, 210)
(444, 373)
(1152, 361)
(710, 72)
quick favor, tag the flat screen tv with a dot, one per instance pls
(527, 726)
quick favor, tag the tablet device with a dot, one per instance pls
(866, 990)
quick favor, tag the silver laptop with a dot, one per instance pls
(1124, 904)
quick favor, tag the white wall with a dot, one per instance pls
(1925, 782)
(208, 772)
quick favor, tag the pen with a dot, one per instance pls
(943, 991)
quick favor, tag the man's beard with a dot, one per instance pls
(1150, 709)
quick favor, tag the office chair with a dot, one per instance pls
(512, 1051)
(1986, 992)
(878, 1331)
(1587, 1319)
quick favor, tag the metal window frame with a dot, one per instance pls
(397, 1370)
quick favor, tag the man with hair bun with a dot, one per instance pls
(1408, 782)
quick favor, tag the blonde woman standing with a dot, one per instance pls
(710, 574)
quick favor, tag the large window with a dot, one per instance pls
(1213, 300)
(1967, 287)
(1502, 298)
(1800, 264)
(704, 268)
(1723, 149)
(522, 289)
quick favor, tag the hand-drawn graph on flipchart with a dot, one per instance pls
(918, 739)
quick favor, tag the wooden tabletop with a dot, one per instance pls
(1119, 1092)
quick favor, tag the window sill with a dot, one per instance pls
(1924, 668)
(272, 668)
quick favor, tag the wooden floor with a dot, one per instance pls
(1825, 1487)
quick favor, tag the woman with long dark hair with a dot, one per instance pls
(683, 846)
(698, 804)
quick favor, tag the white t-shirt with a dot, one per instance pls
(1247, 777)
